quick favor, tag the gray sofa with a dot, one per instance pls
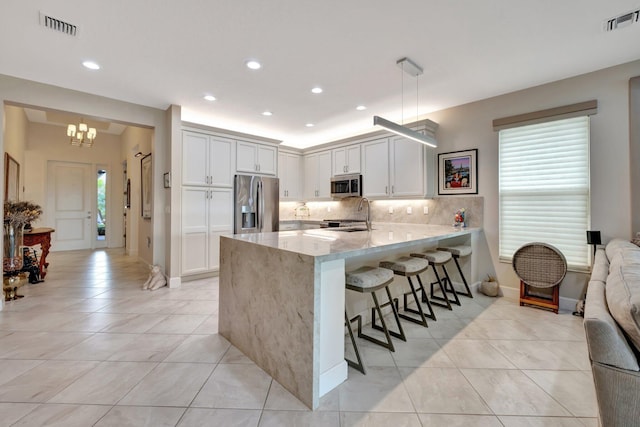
(612, 325)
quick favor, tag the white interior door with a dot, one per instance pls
(70, 201)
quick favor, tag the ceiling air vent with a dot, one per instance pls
(58, 25)
(622, 21)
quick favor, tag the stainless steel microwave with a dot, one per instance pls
(346, 186)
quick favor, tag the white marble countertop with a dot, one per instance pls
(328, 244)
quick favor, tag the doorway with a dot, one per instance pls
(101, 222)
(70, 199)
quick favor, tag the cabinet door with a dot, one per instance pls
(375, 168)
(310, 177)
(289, 174)
(220, 156)
(246, 155)
(195, 230)
(339, 161)
(194, 158)
(407, 168)
(324, 175)
(220, 222)
(267, 160)
(353, 158)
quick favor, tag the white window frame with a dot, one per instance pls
(534, 207)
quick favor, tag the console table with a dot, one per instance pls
(42, 236)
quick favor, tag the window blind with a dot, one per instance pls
(544, 188)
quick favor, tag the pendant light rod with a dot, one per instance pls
(405, 131)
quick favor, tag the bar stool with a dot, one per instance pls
(408, 267)
(435, 259)
(458, 251)
(369, 280)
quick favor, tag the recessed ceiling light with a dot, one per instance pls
(254, 65)
(316, 90)
(210, 97)
(267, 113)
(91, 65)
(309, 125)
(361, 108)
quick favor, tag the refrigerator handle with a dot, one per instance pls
(261, 204)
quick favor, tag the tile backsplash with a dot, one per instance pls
(441, 210)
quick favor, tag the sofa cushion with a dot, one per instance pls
(623, 297)
(606, 342)
(617, 245)
(626, 257)
(600, 268)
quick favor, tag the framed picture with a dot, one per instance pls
(458, 172)
(167, 180)
(146, 185)
(11, 178)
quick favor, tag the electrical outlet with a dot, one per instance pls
(409, 210)
(390, 209)
(328, 208)
(426, 210)
(391, 235)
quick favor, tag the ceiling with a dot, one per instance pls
(176, 53)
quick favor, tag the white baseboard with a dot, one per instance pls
(333, 377)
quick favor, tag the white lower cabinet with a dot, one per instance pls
(207, 213)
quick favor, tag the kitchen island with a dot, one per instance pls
(282, 295)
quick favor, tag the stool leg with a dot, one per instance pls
(394, 309)
(464, 280)
(356, 365)
(456, 300)
(444, 297)
(431, 314)
(422, 321)
(388, 344)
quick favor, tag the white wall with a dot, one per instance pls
(634, 152)
(470, 126)
(15, 137)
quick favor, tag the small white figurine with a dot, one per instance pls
(156, 279)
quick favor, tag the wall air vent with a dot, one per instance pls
(58, 25)
(622, 21)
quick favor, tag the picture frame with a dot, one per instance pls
(128, 194)
(146, 186)
(11, 178)
(458, 172)
(167, 179)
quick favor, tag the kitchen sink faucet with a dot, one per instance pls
(368, 217)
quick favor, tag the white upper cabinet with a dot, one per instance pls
(395, 168)
(406, 168)
(317, 176)
(206, 160)
(289, 174)
(256, 158)
(375, 170)
(346, 160)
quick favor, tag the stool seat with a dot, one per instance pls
(406, 265)
(367, 279)
(434, 257)
(458, 250)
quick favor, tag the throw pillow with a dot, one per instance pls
(636, 240)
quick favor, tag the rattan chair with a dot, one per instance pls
(540, 266)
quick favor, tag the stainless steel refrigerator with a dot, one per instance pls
(256, 207)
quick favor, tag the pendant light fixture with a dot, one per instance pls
(413, 69)
(82, 135)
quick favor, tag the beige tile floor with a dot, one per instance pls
(88, 347)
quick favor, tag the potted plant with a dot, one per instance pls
(16, 216)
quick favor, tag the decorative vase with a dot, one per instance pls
(13, 242)
(490, 287)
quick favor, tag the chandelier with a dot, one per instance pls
(82, 135)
